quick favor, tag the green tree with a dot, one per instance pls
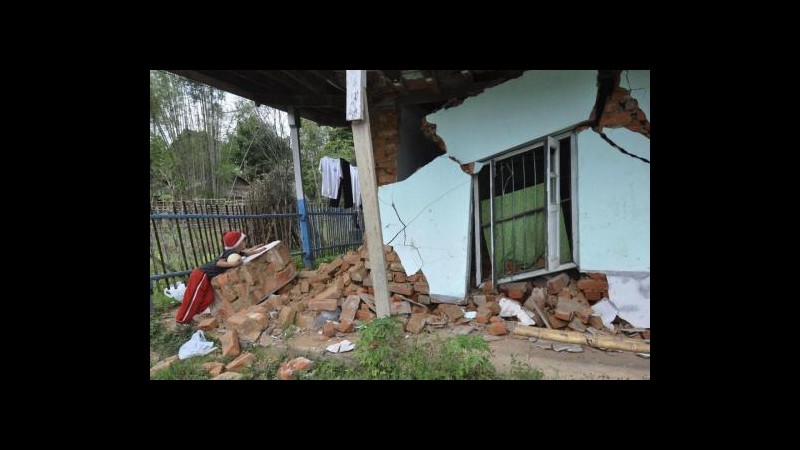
(185, 124)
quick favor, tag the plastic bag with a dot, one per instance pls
(196, 346)
(176, 292)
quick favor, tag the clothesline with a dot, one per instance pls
(340, 182)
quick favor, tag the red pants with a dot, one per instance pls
(199, 296)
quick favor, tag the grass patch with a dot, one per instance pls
(187, 369)
(519, 370)
(166, 343)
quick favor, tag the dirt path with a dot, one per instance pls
(591, 364)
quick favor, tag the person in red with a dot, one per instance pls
(199, 293)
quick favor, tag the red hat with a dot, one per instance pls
(233, 238)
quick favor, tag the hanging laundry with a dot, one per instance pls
(331, 170)
(345, 192)
(354, 181)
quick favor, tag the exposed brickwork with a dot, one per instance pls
(385, 127)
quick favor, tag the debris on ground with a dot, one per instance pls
(267, 299)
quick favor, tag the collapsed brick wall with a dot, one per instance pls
(249, 284)
(385, 127)
(620, 110)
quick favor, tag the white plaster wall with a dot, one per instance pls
(537, 103)
(613, 202)
(434, 203)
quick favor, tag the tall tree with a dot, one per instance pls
(186, 118)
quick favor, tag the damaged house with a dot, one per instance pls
(496, 175)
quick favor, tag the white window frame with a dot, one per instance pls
(552, 264)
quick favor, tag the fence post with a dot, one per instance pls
(294, 140)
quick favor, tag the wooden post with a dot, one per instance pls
(358, 112)
(593, 340)
(294, 143)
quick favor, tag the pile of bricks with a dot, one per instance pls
(245, 307)
(244, 303)
(567, 303)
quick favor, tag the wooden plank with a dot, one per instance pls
(356, 84)
(594, 340)
(365, 160)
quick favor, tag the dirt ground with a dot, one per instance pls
(591, 364)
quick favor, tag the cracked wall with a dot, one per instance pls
(430, 227)
(614, 189)
(520, 110)
(434, 202)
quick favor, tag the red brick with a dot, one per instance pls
(328, 330)
(346, 326)
(349, 308)
(286, 316)
(567, 309)
(537, 298)
(214, 368)
(392, 257)
(327, 304)
(366, 316)
(452, 312)
(400, 308)
(483, 314)
(416, 323)
(593, 296)
(497, 328)
(565, 294)
(401, 288)
(515, 291)
(424, 299)
(359, 275)
(305, 319)
(422, 287)
(597, 276)
(230, 343)
(555, 284)
(596, 322)
(588, 284)
(495, 319)
(494, 307)
(555, 322)
(399, 277)
(288, 369)
(244, 360)
(208, 324)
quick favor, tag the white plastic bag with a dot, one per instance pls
(196, 346)
(175, 292)
(512, 308)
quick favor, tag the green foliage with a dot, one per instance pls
(265, 366)
(187, 369)
(522, 371)
(378, 350)
(166, 343)
(384, 353)
(255, 146)
(162, 303)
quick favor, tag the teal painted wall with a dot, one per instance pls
(526, 108)
(613, 189)
(434, 203)
(613, 202)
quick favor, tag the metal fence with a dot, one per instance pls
(185, 234)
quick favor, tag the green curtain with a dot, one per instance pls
(522, 239)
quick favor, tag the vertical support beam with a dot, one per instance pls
(294, 142)
(358, 112)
